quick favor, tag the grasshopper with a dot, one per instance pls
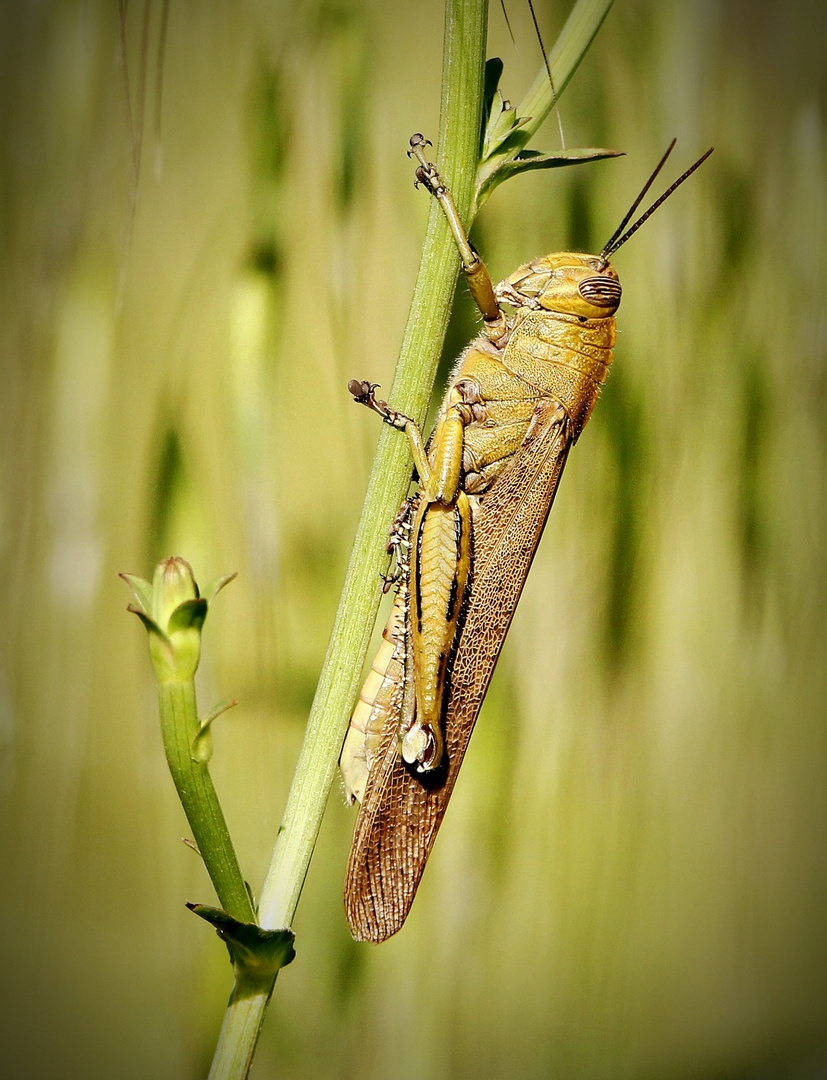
(516, 402)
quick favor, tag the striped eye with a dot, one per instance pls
(600, 291)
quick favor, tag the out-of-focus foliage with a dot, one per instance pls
(631, 881)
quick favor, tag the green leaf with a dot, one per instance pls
(528, 160)
(491, 100)
(141, 590)
(215, 586)
(188, 616)
(217, 709)
(201, 747)
(153, 628)
(499, 138)
(256, 954)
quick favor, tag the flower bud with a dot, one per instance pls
(173, 611)
(172, 584)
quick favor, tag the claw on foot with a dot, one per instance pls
(362, 391)
(363, 394)
(426, 173)
(418, 142)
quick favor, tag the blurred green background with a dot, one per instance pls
(632, 879)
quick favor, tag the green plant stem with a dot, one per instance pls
(179, 726)
(460, 116)
(240, 1030)
(248, 1002)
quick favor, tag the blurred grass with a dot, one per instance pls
(632, 879)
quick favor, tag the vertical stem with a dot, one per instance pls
(240, 1031)
(459, 131)
(179, 726)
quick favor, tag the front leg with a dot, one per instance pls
(363, 394)
(479, 281)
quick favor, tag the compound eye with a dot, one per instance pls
(601, 291)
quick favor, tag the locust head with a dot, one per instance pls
(566, 282)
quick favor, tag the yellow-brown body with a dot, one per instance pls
(512, 409)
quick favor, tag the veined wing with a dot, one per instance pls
(402, 811)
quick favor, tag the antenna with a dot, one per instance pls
(508, 23)
(639, 199)
(613, 243)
